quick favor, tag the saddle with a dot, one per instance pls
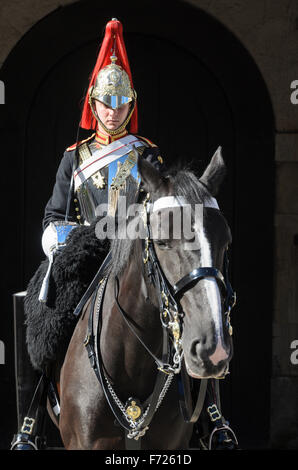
(50, 324)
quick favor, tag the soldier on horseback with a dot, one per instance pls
(92, 172)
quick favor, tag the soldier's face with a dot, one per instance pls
(111, 118)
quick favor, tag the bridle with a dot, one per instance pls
(171, 314)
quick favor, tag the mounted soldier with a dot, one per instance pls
(92, 172)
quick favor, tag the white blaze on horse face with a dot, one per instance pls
(212, 294)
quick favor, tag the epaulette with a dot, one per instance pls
(151, 144)
(72, 147)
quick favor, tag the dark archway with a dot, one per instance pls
(198, 88)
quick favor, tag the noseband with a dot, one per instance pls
(223, 280)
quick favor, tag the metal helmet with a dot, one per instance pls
(111, 82)
(112, 86)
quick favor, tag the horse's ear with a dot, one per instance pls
(214, 174)
(151, 178)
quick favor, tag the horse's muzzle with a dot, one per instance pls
(202, 363)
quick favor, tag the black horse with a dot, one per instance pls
(161, 305)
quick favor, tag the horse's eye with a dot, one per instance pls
(162, 244)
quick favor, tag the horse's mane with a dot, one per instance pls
(185, 183)
(188, 185)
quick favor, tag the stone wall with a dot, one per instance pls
(269, 31)
(17, 17)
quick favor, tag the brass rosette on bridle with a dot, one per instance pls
(113, 88)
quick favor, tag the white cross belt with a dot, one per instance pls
(103, 157)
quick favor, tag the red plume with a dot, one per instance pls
(113, 38)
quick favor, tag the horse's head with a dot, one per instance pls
(190, 235)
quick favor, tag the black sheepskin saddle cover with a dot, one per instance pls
(50, 325)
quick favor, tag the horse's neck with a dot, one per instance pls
(136, 296)
(124, 355)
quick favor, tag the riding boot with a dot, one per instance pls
(27, 380)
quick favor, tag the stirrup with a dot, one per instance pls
(227, 439)
(27, 438)
(23, 441)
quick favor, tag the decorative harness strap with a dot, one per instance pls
(135, 428)
(134, 417)
(94, 283)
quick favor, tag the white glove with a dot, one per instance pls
(49, 239)
(55, 235)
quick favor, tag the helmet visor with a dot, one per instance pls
(114, 101)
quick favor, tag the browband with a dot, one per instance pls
(179, 201)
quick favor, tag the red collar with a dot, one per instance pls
(107, 139)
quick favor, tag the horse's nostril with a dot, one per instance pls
(193, 348)
(198, 345)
